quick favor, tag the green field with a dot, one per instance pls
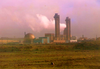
(64, 56)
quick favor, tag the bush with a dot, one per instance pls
(93, 45)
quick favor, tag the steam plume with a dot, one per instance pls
(45, 23)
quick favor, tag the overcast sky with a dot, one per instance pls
(37, 17)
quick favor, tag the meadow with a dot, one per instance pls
(40, 56)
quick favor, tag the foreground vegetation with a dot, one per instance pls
(64, 56)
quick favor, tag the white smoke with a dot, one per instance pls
(45, 23)
(44, 20)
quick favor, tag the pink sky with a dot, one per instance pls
(36, 16)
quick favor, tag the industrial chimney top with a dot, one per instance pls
(67, 18)
(56, 15)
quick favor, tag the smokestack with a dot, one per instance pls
(24, 33)
(68, 34)
(57, 25)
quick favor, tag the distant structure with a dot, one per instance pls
(82, 38)
(57, 26)
(42, 40)
(73, 39)
(24, 33)
(29, 38)
(51, 36)
(7, 40)
(68, 29)
(98, 38)
(65, 31)
(66, 37)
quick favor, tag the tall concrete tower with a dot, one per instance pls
(68, 34)
(65, 31)
(57, 25)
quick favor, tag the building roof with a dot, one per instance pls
(29, 36)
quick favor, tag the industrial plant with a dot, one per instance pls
(51, 37)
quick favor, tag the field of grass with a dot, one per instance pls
(40, 57)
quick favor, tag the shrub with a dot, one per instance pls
(93, 45)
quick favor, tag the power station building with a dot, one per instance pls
(49, 37)
(29, 38)
(42, 40)
(66, 33)
(68, 29)
(57, 26)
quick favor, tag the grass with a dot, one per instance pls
(41, 56)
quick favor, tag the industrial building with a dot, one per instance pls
(49, 37)
(42, 40)
(68, 29)
(66, 37)
(6, 40)
(28, 38)
(57, 26)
